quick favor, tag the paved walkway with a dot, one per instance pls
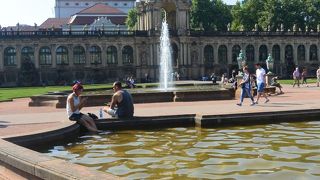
(17, 118)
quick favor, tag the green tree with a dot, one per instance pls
(236, 24)
(312, 13)
(221, 15)
(210, 14)
(132, 18)
(201, 14)
(271, 15)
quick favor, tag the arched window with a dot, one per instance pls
(174, 54)
(276, 53)
(223, 54)
(112, 55)
(79, 55)
(289, 53)
(263, 53)
(10, 56)
(95, 55)
(27, 53)
(301, 53)
(289, 60)
(127, 55)
(45, 56)
(208, 54)
(235, 53)
(313, 53)
(250, 53)
(62, 55)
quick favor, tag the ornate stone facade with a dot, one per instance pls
(104, 56)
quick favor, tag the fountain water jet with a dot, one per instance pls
(165, 58)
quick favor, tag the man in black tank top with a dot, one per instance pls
(121, 103)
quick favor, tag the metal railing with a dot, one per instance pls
(252, 33)
(30, 34)
(126, 33)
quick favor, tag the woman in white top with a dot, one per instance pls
(74, 104)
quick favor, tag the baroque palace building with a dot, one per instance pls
(61, 56)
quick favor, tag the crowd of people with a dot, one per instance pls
(300, 77)
(121, 105)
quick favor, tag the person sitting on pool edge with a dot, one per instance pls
(74, 104)
(121, 103)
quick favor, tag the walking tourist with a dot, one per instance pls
(296, 77)
(304, 77)
(74, 104)
(245, 85)
(261, 79)
(121, 103)
(318, 76)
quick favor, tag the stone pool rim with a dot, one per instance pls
(28, 163)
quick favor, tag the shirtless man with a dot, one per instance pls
(121, 104)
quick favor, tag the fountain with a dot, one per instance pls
(165, 57)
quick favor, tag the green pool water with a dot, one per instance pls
(279, 151)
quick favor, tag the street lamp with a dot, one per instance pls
(241, 61)
(270, 63)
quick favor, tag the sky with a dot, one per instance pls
(32, 11)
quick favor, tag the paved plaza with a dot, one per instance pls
(17, 118)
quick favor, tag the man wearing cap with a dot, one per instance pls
(74, 104)
(121, 103)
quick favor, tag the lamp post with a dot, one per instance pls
(241, 62)
(270, 63)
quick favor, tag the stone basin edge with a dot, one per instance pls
(18, 161)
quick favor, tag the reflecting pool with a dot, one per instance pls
(280, 151)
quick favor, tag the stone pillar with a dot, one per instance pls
(36, 56)
(188, 19)
(181, 55)
(150, 61)
(53, 56)
(119, 47)
(269, 46)
(1, 58)
(104, 55)
(282, 54)
(70, 55)
(215, 53)
(18, 56)
(147, 19)
(189, 54)
(185, 54)
(157, 19)
(256, 54)
(229, 51)
(295, 54)
(87, 47)
(307, 53)
(201, 56)
(135, 55)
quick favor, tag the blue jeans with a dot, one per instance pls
(245, 91)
